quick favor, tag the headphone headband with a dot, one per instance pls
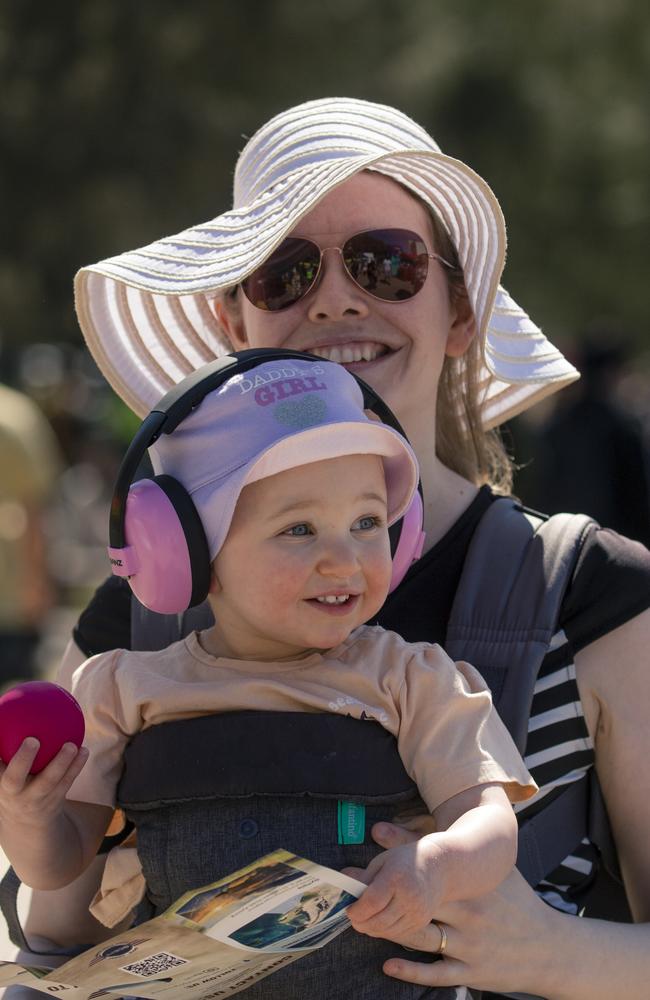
(179, 402)
(170, 411)
(183, 397)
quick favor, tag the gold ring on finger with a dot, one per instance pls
(443, 939)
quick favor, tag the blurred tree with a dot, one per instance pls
(120, 122)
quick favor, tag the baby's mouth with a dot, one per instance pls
(335, 604)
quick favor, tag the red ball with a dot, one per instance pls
(43, 710)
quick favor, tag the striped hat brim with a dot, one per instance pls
(146, 314)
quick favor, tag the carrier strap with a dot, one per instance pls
(507, 604)
(9, 887)
(548, 838)
(505, 613)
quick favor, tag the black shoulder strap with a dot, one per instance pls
(504, 616)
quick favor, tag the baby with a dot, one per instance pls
(296, 488)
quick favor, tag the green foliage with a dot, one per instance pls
(121, 121)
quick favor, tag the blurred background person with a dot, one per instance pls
(30, 463)
(592, 450)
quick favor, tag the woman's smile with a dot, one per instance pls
(350, 353)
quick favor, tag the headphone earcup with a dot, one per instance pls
(410, 542)
(163, 528)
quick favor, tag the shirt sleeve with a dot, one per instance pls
(112, 717)
(610, 586)
(451, 737)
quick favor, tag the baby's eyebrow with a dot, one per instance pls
(373, 496)
(299, 505)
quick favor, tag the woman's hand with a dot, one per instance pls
(492, 941)
(471, 853)
(509, 941)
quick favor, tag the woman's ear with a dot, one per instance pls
(227, 309)
(463, 328)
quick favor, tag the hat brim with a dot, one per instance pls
(148, 322)
(216, 501)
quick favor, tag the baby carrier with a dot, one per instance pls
(212, 794)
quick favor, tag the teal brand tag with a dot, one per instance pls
(351, 823)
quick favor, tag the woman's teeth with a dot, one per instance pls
(332, 599)
(347, 354)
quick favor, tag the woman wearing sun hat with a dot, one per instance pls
(325, 193)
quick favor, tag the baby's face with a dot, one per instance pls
(307, 560)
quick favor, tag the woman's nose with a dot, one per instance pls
(336, 295)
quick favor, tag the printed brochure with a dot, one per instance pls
(213, 942)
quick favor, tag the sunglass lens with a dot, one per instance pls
(285, 277)
(390, 264)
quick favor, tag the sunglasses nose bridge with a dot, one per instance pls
(320, 271)
(324, 250)
(349, 281)
(341, 252)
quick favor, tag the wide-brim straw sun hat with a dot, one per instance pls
(146, 314)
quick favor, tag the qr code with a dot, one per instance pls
(154, 965)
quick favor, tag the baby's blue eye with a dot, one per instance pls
(298, 530)
(366, 523)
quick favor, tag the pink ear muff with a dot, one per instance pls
(411, 541)
(161, 568)
(156, 559)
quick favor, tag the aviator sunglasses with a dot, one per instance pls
(389, 264)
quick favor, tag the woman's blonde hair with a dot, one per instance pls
(462, 444)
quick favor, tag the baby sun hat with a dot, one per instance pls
(274, 417)
(146, 315)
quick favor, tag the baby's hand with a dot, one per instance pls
(403, 890)
(34, 800)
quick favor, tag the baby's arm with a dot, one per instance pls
(48, 839)
(474, 850)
